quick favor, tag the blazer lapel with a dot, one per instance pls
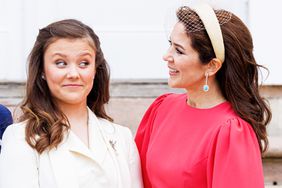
(105, 141)
(97, 142)
(61, 159)
(63, 167)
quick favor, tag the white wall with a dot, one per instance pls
(131, 31)
(12, 60)
(266, 27)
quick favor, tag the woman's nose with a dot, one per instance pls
(73, 72)
(167, 57)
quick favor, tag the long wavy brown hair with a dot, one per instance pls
(46, 124)
(238, 76)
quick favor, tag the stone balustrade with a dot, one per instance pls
(130, 99)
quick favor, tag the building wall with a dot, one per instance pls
(130, 99)
(133, 33)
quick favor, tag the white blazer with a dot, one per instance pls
(22, 167)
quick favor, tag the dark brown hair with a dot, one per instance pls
(45, 122)
(238, 76)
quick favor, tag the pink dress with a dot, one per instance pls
(185, 147)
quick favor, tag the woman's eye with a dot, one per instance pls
(61, 64)
(178, 51)
(83, 64)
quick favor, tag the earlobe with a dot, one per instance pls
(43, 76)
(214, 66)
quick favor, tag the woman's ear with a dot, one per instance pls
(213, 66)
(43, 76)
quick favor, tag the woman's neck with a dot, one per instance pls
(78, 119)
(200, 99)
(76, 113)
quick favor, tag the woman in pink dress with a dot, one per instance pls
(213, 135)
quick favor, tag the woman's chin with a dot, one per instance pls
(173, 83)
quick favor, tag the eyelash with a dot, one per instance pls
(62, 64)
(177, 50)
(86, 63)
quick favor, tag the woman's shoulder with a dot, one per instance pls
(166, 99)
(233, 121)
(4, 110)
(16, 130)
(236, 128)
(170, 96)
(121, 134)
(14, 142)
(109, 126)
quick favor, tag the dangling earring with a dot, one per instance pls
(42, 76)
(206, 86)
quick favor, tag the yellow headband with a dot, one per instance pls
(210, 21)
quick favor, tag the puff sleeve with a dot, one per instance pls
(143, 135)
(234, 158)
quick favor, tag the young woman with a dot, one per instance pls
(65, 138)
